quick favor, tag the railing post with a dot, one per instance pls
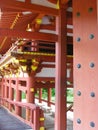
(18, 98)
(36, 117)
(30, 93)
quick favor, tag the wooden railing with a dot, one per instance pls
(36, 118)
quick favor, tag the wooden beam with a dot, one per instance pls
(23, 55)
(47, 27)
(64, 1)
(53, 1)
(47, 65)
(28, 35)
(44, 85)
(28, 1)
(23, 6)
(44, 79)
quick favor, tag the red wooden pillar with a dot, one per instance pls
(36, 119)
(40, 95)
(10, 93)
(30, 89)
(60, 102)
(6, 88)
(49, 96)
(30, 93)
(0, 86)
(18, 98)
(3, 89)
(85, 65)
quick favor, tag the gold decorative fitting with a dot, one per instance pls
(32, 89)
(42, 119)
(42, 128)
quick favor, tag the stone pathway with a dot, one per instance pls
(9, 122)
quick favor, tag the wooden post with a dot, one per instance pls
(40, 95)
(60, 85)
(85, 64)
(49, 96)
(3, 90)
(36, 119)
(30, 93)
(18, 98)
(10, 93)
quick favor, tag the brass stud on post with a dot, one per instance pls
(78, 39)
(78, 121)
(92, 124)
(79, 66)
(91, 36)
(79, 93)
(92, 94)
(92, 65)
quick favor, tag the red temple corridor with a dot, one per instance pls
(48, 48)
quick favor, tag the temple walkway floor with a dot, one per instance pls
(9, 122)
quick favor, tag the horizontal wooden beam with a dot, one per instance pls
(48, 65)
(53, 1)
(28, 35)
(64, 1)
(44, 85)
(45, 79)
(30, 56)
(24, 6)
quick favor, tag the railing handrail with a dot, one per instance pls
(34, 108)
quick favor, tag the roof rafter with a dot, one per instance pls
(24, 6)
(28, 35)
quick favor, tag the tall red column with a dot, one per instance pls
(60, 83)
(49, 96)
(40, 95)
(30, 93)
(85, 65)
(30, 89)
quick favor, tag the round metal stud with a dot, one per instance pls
(91, 36)
(90, 10)
(78, 39)
(92, 124)
(78, 14)
(92, 94)
(78, 121)
(79, 66)
(79, 93)
(92, 65)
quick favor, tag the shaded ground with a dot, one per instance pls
(49, 122)
(9, 122)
